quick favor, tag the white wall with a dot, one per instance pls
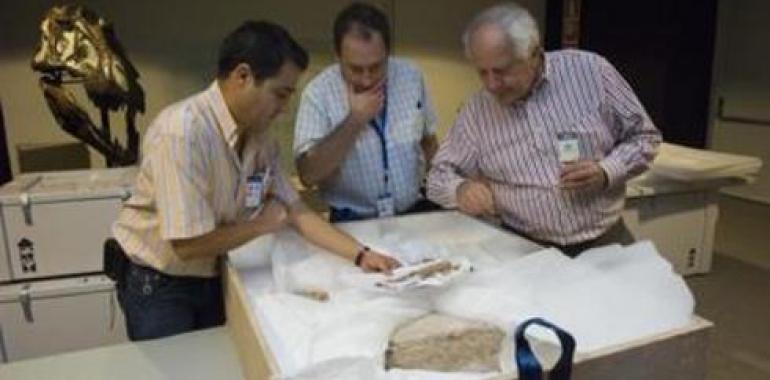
(429, 33)
(742, 79)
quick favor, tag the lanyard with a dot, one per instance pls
(380, 125)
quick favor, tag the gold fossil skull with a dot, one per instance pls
(79, 47)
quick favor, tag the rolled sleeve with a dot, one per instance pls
(455, 160)
(429, 113)
(282, 187)
(614, 169)
(312, 125)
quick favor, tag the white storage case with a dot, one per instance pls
(52, 316)
(55, 223)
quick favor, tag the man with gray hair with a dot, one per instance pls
(550, 141)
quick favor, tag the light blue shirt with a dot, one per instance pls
(360, 182)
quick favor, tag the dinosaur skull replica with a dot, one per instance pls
(79, 47)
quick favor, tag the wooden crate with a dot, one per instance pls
(257, 362)
(676, 355)
(679, 354)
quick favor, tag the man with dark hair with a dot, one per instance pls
(365, 21)
(210, 180)
(365, 128)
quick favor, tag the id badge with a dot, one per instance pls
(385, 206)
(254, 186)
(569, 147)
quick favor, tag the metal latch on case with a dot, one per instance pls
(25, 299)
(26, 208)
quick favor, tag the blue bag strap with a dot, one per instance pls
(526, 361)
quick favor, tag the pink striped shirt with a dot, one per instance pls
(516, 148)
(192, 180)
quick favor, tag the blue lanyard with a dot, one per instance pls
(380, 125)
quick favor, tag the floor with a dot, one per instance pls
(736, 294)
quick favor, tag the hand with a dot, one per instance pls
(365, 105)
(583, 174)
(474, 197)
(373, 261)
(272, 217)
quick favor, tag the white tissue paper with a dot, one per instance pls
(606, 296)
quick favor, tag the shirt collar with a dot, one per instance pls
(544, 75)
(224, 118)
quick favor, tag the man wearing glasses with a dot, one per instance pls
(365, 127)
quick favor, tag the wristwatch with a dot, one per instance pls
(360, 255)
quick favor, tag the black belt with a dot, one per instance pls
(571, 250)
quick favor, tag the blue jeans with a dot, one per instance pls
(157, 305)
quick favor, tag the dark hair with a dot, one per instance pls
(264, 46)
(363, 19)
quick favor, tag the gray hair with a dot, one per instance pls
(517, 22)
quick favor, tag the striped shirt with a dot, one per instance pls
(192, 180)
(360, 182)
(516, 148)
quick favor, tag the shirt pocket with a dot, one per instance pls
(594, 137)
(515, 161)
(409, 123)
